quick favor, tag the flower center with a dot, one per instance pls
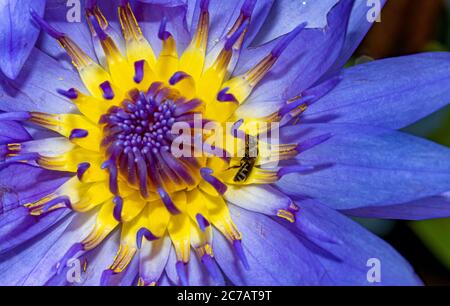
(137, 140)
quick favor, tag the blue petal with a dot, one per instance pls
(153, 257)
(358, 26)
(149, 14)
(22, 183)
(275, 255)
(76, 231)
(287, 14)
(33, 93)
(263, 199)
(16, 264)
(12, 132)
(100, 258)
(259, 16)
(386, 93)
(164, 281)
(308, 56)
(432, 207)
(166, 3)
(363, 166)
(56, 14)
(18, 34)
(223, 15)
(348, 263)
(129, 276)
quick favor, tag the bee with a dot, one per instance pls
(248, 162)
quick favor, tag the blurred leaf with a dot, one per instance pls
(435, 127)
(436, 236)
(435, 46)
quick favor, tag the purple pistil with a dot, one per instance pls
(70, 94)
(178, 77)
(59, 200)
(165, 198)
(163, 34)
(206, 174)
(224, 96)
(239, 250)
(139, 71)
(78, 133)
(137, 135)
(113, 174)
(144, 233)
(81, 170)
(118, 206)
(182, 273)
(108, 92)
(202, 222)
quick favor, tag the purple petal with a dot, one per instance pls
(18, 34)
(15, 265)
(149, 14)
(263, 199)
(349, 262)
(275, 255)
(35, 95)
(12, 132)
(361, 20)
(20, 184)
(385, 93)
(308, 57)
(100, 258)
(76, 231)
(286, 14)
(223, 15)
(153, 257)
(432, 207)
(165, 3)
(363, 166)
(58, 14)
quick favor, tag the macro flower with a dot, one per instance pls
(90, 173)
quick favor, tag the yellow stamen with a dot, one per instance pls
(193, 58)
(137, 46)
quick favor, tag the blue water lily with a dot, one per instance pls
(93, 192)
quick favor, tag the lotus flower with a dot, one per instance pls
(91, 177)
